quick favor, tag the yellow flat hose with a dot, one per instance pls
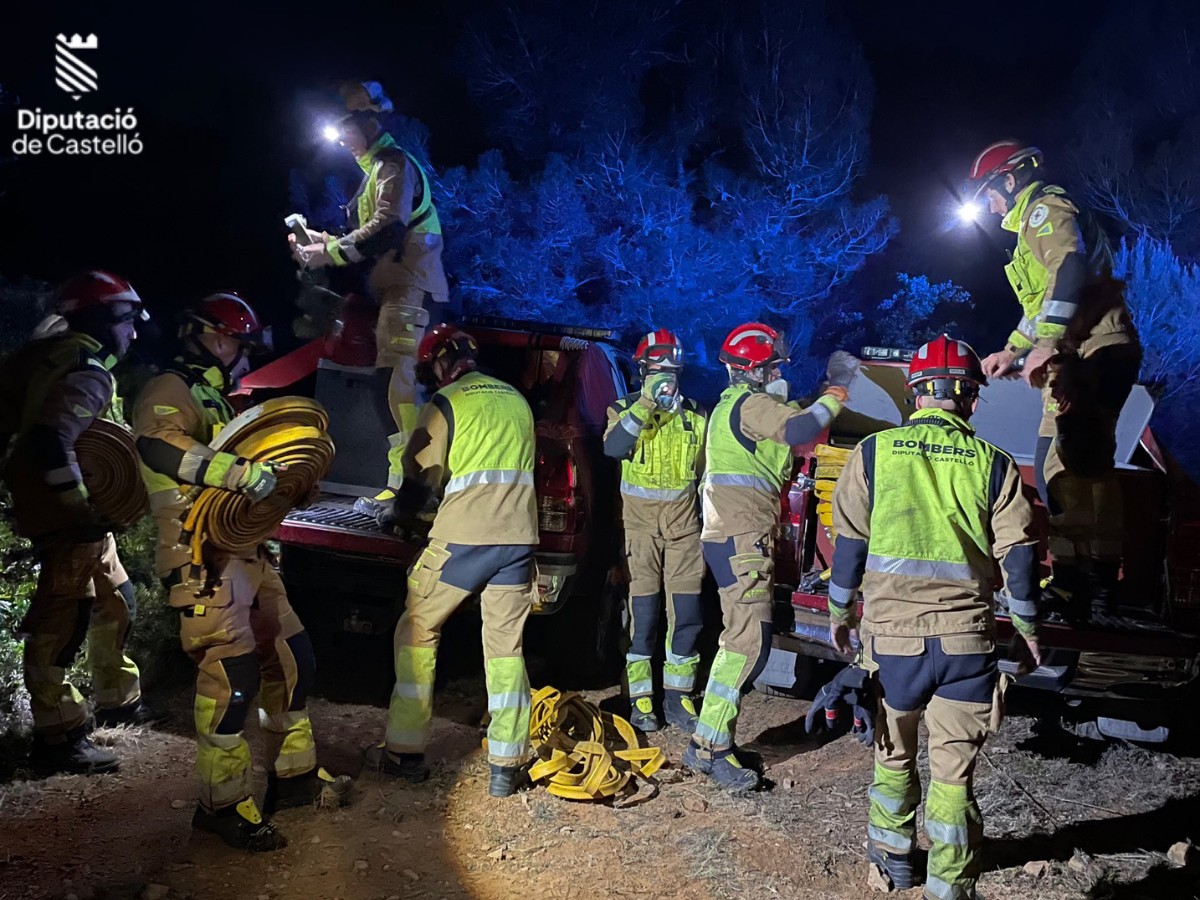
(108, 460)
(289, 431)
(585, 753)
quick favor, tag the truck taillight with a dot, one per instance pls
(553, 513)
(557, 482)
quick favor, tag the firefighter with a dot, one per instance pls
(748, 460)
(473, 447)
(51, 390)
(235, 620)
(920, 512)
(658, 435)
(1080, 347)
(396, 236)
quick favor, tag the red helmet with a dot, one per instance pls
(226, 313)
(999, 159)
(659, 348)
(445, 341)
(941, 368)
(94, 290)
(751, 346)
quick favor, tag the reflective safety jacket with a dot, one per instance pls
(394, 225)
(51, 390)
(1061, 259)
(176, 416)
(748, 458)
(662, 456)
(474, 445)
(920, 512)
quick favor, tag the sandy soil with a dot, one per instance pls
(1092, 820)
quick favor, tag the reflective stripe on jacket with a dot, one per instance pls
(175, 418)
(743, 477)
(1061, 252)
(662, 456)
(474, 442)
(51, 391)
(920, 512)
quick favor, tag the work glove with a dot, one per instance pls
(310, 256)
(852, 687)
(841, 369)
(395, 516)
(259, 480)
(655, 388)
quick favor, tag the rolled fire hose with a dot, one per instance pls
(585, 753)
(109, 462)
(288, 431)
(830, 462)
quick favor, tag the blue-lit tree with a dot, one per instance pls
(1134, 133)
(727, 199)
(1163, 293)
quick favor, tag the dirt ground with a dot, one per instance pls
(1089, 820)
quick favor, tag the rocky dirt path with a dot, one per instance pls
(1063, 819)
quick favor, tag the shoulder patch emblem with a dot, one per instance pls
(1038, 216)
(1045, 230)
(161, 410)
(81, 412)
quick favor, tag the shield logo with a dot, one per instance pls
(71, 73)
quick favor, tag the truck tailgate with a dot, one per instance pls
(332, 524)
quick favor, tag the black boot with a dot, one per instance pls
(679, 709)
(136, 713)
(1064, 594)
(240, 826)
(1102, 577)
(314, 788)
(409, 766)
(896, 866)
(75, 754)
(504, 780)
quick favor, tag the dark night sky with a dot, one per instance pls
(218, 96)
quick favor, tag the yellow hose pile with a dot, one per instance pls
(585, 753)
(108, 460)
(830, 462)
(290, 432)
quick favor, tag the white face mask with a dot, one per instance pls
(778, 388)
(241, 368)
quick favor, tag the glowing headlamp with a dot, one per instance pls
(968, 213)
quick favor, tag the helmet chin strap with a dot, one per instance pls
(193, 348)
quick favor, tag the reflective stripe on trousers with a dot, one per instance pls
(411, 706)
(509, 704)
(297, 750)
(955, 828)
(892, 821)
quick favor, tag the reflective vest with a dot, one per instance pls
(938, 527)
(663, 466)
(733, 460)
(206, 385)
(424, 218)
(1028, 277)
(492, 436)
(41, 365)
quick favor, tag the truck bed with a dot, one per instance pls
(331, 523)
